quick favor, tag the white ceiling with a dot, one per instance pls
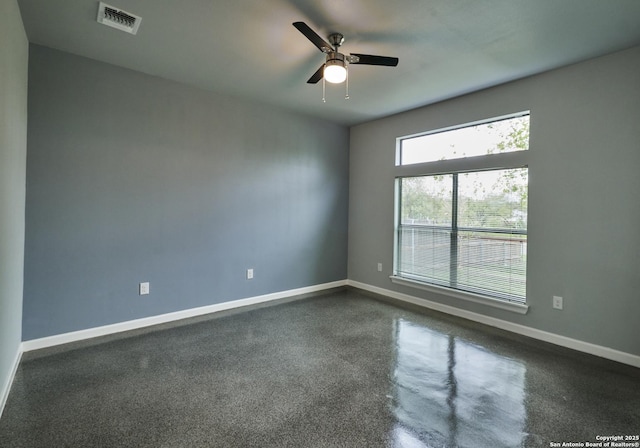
(249, 48)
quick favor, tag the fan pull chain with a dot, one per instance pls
(323, 91)
(346, 94)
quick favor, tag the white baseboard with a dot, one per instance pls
(585, 347)
(50, 341)
(575, 344)
(6, 387)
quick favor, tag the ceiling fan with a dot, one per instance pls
(334, 70)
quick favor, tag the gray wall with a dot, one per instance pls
(14, 51)
(584, 211)
(134, 178)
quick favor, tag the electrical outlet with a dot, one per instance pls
(557, 302)
(144, 288)
(379, 267)
(249, 274)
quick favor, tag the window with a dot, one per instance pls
(466, 228)
(499, 136)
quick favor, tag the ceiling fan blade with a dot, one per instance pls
(369, 59)
(317, 76)
(318, 41)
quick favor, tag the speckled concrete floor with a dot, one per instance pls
(339, 370)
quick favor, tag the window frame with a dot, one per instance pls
(488, 162)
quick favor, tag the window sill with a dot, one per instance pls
(470, 297)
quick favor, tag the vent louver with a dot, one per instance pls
(117, 18)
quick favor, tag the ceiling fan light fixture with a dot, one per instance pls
(335, 70)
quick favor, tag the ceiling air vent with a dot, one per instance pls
(117, 18)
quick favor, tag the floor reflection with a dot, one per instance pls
(450, 393)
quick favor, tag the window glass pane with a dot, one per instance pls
(486, 252)
(425, 253)
(493, 199)
(494, 264)
(507, 135)
(427, 200)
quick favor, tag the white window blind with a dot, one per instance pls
(466, 231)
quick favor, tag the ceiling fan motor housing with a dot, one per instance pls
(335, 58)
